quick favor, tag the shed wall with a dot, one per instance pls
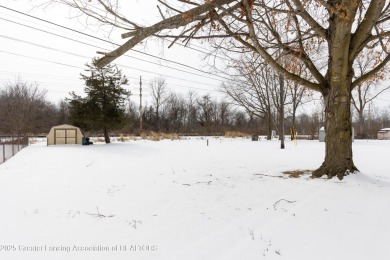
(64, 134)
(384, 135)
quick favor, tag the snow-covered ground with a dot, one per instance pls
(176, 200)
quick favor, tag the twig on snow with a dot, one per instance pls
(98, 215)
(90, 164)
(289, 201)
(273, 176)
(205, 182)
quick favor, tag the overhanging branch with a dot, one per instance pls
(174, 22)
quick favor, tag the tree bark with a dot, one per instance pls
(361, 124)
(106, 136)
(293, 127)
(338, 139)
(269, 125)
(281, 112)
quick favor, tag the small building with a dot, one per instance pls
(384, 134)
(321, 134)
(64, 134)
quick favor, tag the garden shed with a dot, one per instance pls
(64, 134)
(384, 134)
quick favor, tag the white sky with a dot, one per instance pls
(21, 56)
(35, 55)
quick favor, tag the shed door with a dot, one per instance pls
(65, 136)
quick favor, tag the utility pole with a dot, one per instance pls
(140, 104)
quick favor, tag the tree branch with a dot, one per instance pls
(371, 73)
(309, 19)
(169, 7)
(170, 23)
(363, 32)
(268, 58)
(377, 94)
(115, 14)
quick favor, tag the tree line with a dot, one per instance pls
(25, 111)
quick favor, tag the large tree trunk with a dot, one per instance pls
(337, 94)
(338, 139)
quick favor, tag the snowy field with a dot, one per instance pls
(183, 200)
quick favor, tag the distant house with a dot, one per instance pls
(384, 134)
(64, 134)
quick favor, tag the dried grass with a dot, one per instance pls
(143, 135)
(99, 140)
(235, 134)
(154, 136)
(170, 136)
(121, 138)
(297, 173)
(133, 138)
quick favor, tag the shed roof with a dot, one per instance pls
(64, 126)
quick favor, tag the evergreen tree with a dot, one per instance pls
(103, 108)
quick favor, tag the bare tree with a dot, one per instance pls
(192, 112)
(175, 114)
(309, 124)
(296, 96)
(160, 96)
(224, 113)
(367, 91)
(22, 108)
(63, 112)
(207, 112)
(253, 88)
(326, 36)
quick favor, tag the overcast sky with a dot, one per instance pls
(54, 57)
